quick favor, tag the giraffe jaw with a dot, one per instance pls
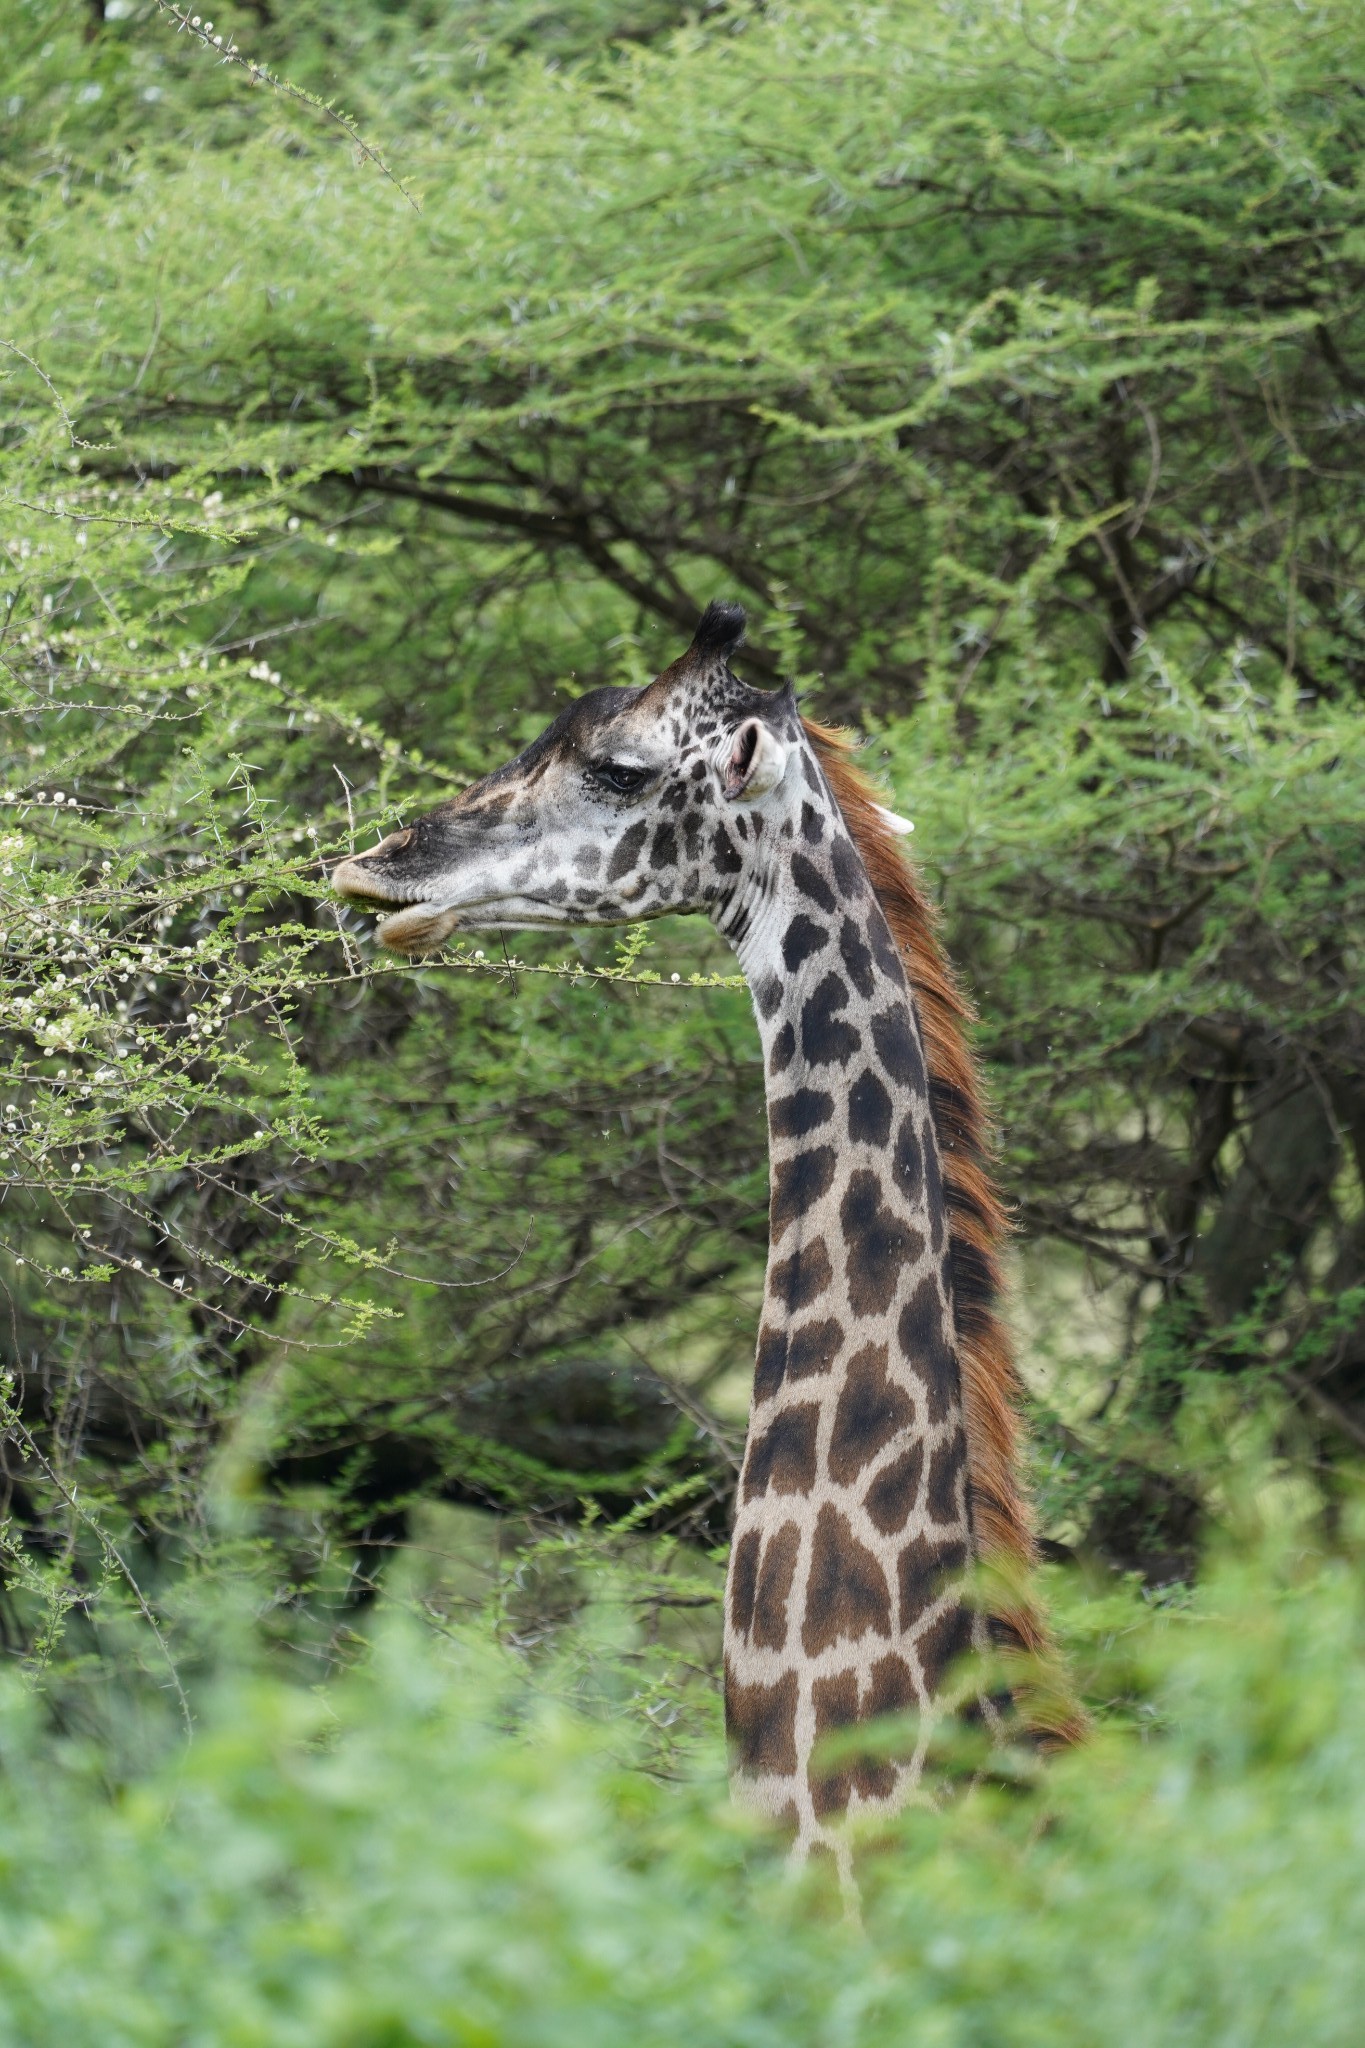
(417, 925)
(416, 929)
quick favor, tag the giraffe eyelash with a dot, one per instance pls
(623, 777)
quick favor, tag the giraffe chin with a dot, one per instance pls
(416, 929)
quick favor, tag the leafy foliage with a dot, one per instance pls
(449, 1848)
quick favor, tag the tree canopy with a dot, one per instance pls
(1006, 368)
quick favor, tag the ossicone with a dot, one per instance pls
(720, 630)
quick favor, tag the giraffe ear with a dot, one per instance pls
(756, 762)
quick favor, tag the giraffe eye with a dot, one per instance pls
(624, 779)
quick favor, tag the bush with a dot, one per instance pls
(447, 1847)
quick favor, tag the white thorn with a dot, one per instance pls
(893, 820)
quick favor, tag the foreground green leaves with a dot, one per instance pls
(443, 1847)
(1008, 367)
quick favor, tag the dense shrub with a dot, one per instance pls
(443, 1849)
(1008, 364)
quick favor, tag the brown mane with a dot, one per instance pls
(978, 1228)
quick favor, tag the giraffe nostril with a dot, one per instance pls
(367, 877)
(395, 843)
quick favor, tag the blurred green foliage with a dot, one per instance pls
(451, 1846)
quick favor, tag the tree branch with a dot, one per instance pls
(556, 529)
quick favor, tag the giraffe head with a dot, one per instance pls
(633, 803)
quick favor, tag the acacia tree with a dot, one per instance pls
(1007, 370)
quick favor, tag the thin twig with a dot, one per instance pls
(67, 420)
(111, 1551)
(1331, 1409)
(228, 53)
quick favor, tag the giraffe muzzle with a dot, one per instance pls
(415, 925)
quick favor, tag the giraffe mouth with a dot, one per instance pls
(413, 925)
(416, 928)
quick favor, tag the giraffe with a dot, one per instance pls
(881, 1456)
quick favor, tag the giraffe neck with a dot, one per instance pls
(853, 1513)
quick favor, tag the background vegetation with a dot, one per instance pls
(1008, 363)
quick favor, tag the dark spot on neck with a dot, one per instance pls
(923, 1337)
(945, 1468)
(770, 1363)
(891, 1495)
(846, 1595)
(883, 945)
(783, 1048)
(782, 1459)
(814, 1347)
(857, 958)
(796, 1116)
(727, 859)
(773, 1592)
(907, 1161)
(869, 1111)
(897, 1043)
(768, 995)
(948, 1637)
(849, 871)
(803, 938)
(811, 882)
(798, 1281)
(923, 1571)
(760, 1721)
(870, 1412)
(798, 1184)
(880, 1244)
(826, 1038)
(743, 1581)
